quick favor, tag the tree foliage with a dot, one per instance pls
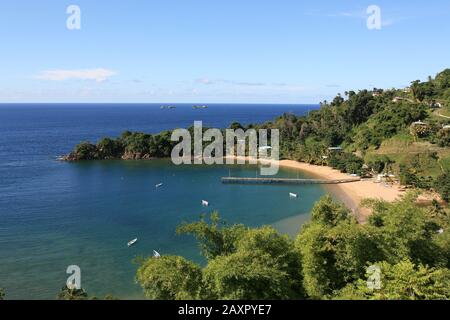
(264, 266)
(242, 263)
(402, 281)
(215, 238)
(67, 293)
(442, 185)
(169, 278)
(328, 259)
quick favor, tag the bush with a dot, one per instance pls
(86, 151)
(442, 185)
(346, 162)
(170, 278)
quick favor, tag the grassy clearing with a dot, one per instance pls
(426, 158)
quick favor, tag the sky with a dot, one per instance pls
(216, 51)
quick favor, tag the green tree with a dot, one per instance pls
(407, 176)
(72, 294)
(2, 294)
(109, 148)
(407, 232)
(264, 265)
(319, 273)
(215, 238)
(170, 278)
(328, 212)
(443, 137)
(442, 185)
(334, 248)
(85, 151)
(402, 281)
(379, 163)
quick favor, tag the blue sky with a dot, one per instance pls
(243, 51)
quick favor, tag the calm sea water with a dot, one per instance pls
(55, 214)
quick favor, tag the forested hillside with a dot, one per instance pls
(403, 132)
(332, 257)
(400, 131)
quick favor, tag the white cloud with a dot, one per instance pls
(98, 75)
(360, 14)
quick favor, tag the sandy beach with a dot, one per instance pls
(351, 193)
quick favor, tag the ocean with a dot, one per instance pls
(54, 214)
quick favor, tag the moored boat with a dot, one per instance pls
(132, 242)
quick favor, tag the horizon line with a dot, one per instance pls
(166, 103)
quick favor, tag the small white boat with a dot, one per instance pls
(159, 185)
(205, 203)
(293, 195)
(132, 242)
(156, 254)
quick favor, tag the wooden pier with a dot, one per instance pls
(238, 180)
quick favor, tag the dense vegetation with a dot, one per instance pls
(369, 132)
(130, 145)
(390, 131)
(402, 133)
(329, 258)
(365, 119)
(67, 293)
(379, 131)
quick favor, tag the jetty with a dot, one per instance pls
(239, 180)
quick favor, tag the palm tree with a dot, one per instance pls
(415, 86)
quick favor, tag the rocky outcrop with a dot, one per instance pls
(73, 156)
(136, 156)
(70, 157)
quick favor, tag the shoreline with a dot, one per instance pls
(351, 193)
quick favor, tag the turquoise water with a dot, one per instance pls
(55, 214)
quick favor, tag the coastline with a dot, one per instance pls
(350, 193)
